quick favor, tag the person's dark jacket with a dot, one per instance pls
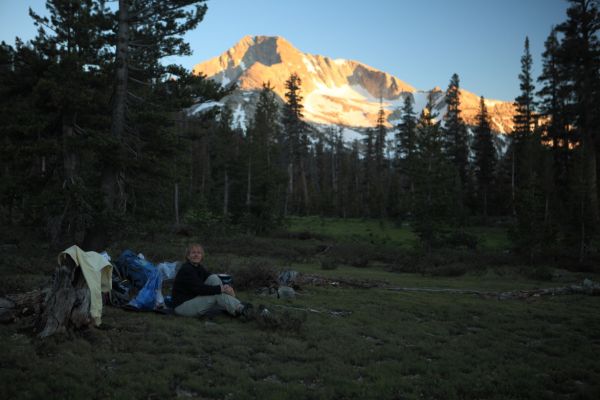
(189, 283)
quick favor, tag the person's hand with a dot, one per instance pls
(228, 290)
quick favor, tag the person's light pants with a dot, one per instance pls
(200, 305)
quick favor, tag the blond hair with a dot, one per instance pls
(192, 246)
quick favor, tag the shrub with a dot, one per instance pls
(537, 272)
(450, 262)
(460, 239)
(205, 221)
(247, 245)
(360, 262)
(454, 269)
(254, 274)
(327, 263)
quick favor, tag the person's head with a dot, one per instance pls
(194, 253)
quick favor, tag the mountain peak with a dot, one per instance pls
(341, 92)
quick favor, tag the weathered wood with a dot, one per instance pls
(22, 304)
(67, 305)
(28, 300)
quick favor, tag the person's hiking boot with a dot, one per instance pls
(264, 311)
(267, 319)
(247, 312)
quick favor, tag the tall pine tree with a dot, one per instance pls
(455, 131)
(296, 148)
(579, 61)
(485, 158)
(434, 197)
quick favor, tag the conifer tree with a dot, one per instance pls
(296, 145)
(556, 133)
(380, 134)
(71, 40)
(406, 147)
(71, 91)
(579, 58)
(455, 131)
(381, 176)
(369, 176)
(27, 147)
(524, 124)
(485, 157)
(146, 32)
(434, 196)
(553, 96)
(529, 234)
(264, 178)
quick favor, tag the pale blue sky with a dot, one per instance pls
(422, 42)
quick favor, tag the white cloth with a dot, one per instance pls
(97, 272)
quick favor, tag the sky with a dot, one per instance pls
(421, 42)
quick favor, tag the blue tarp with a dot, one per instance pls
(147, 298)
(136, 269)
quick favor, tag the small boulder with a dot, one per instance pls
(286, 292)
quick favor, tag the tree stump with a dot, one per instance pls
(67, 304)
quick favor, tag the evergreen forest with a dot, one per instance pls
(97, 135)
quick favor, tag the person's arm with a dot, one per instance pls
(227, 289)
(194, 284)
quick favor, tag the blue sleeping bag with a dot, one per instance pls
(137, 270)
(147, 298)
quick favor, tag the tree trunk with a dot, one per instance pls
(226, 194)
(176, 201)
(512, 182)
(69, 156)
(290, 189)
(119, 107)
(591, 177)
(485, 206)
(249, 187)
(304, 186)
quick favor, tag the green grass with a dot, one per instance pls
(392, 345)
(491, 238)
(486, 281)
(388, 345)
(356, 230)
(384, 232)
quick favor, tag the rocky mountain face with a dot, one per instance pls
(336, 92)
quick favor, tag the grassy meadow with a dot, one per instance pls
(334, 340)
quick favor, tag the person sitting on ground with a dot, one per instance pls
(197, 292)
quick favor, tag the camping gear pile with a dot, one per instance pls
(137, 283)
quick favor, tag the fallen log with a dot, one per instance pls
(22, 304)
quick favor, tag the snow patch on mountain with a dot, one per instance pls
(309, 66)
(201, 107)
(239, 118)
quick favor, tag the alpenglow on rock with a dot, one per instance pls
(336, 92)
